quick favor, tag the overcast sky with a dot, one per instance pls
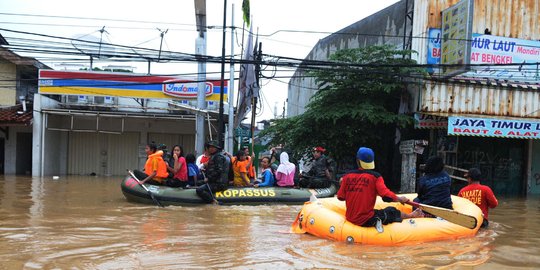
(135, 23)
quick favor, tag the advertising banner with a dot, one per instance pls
(125, 85)
(485, 127)
(488, 49)
(456, 35)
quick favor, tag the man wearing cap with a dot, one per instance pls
(359, 190)
(217, 173)
(479, 194)
(319, 174)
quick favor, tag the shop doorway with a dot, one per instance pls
(23, 159)
(535, 168)
(501, 161)
(2, 154)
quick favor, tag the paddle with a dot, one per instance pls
(448, 214)
(335, 182)
(145, 188)
(210, 190)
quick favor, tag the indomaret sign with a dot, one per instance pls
(125, 85)
(506, 128)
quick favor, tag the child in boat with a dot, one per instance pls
(240, 169)
(267, 176)
(178, 168)
(193, 171)
(155, 169)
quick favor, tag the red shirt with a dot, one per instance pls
(359, 190)
(480, 195)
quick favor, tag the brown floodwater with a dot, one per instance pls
(81, 222)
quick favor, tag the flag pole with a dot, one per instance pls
(230, 91)
(253, 96)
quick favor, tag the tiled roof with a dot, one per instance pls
(13, 116)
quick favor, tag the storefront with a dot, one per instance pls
(499, 147)
(92, 123)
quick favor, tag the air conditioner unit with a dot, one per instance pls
(76, 99)
(82, 99)
(72, 99)
(109, 100)
(103, 100)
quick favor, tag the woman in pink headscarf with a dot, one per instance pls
(285, 171)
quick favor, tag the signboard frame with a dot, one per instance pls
(456, 41)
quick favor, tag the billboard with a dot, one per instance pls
(126, 85)
(456, 36)
(493, 50)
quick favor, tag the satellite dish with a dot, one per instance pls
(95, 46)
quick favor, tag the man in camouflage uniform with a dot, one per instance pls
(319, 175)
(217, 173)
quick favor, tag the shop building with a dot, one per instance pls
(97, 123)
(19, 83)
(482, 116)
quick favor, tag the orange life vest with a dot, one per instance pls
(161, 172)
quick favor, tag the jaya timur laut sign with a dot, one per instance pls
(492, 50)
(507, 128)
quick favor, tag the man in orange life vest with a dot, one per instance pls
(479, 194)
(155, 169)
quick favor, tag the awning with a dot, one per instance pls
(15, 116)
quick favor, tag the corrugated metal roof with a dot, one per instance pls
(479, 99)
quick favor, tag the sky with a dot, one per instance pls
(138, 24)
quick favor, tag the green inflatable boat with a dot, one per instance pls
(234, 195)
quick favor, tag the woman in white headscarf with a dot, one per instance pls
(285, 171)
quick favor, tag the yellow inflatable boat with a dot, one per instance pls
(326, 218)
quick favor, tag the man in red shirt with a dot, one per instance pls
(479, 194)
(359, 190)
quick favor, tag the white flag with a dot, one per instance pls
(248, 81)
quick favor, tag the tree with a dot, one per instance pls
(356, 105)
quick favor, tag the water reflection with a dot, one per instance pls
(85, 223)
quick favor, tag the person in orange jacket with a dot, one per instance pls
(155, 169)
(250, 159)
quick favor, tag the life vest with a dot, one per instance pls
(161, 172)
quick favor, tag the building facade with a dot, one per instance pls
(482, 117)
(98, 123)
(19, 84)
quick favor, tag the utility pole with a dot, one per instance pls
(161, 43)
(200, 44)
(221, 125)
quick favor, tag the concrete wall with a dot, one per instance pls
(8, 76)
(384, 27)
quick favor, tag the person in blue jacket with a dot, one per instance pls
(434, 187)
(267, 176)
